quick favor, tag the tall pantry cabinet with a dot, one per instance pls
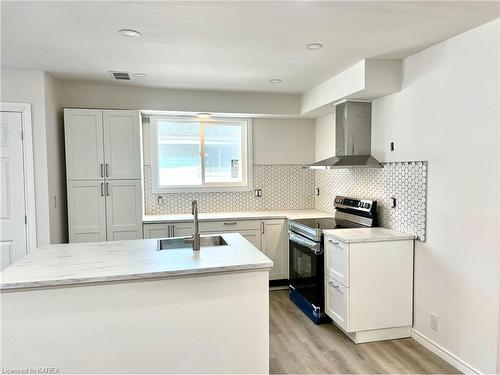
(103, 172)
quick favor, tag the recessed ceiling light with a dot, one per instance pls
(314, 46)
(204, 115)
(275, 80)
(139, 74)
(130, 33)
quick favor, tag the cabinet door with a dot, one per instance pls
(337, 302)
(275, 246)
(123, 209)
(252, 235)
(86, 211)
(84, 145)
(181, 229)
(156, 230)
(122, 144)
(337, 260)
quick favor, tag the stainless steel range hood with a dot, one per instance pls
(353, 132)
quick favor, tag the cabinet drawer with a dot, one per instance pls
(229, 225)
(337, 260)
(337, 302)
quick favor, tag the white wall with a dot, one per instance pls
(325, 137)
(283, 141)
(275, 141)
(26, 86)
(56, 166)
(448, 113)
(121, 96)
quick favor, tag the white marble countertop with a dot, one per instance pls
(244, 215)
(80, 263)
(367, 235)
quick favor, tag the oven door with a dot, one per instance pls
(306, 268)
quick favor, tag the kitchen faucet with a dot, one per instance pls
(196, 234)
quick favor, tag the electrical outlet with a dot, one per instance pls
(434, 322)
(392, 146)
(393, 202)
(317, 191)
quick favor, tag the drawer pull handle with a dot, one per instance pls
(332, 284)
(230, 223)
(333, 242)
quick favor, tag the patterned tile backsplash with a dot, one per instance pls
(284, 187)
(291, 187)
(405, 181)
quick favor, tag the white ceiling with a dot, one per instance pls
(224, 45)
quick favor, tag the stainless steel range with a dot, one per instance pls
(306, 247)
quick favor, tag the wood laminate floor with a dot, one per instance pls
(298, 346)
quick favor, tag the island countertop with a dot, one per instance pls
(81, 263)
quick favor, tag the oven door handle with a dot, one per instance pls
(298, 239)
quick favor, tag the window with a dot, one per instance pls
(189, 154)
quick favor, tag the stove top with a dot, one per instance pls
(328, 223)
(349, 213)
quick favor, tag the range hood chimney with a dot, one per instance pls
(353, 133)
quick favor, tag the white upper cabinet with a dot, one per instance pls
(122, 144)
(102, 144)
(123, 209)
(84, 144)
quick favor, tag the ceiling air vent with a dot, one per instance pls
(121, 76)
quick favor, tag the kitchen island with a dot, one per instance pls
(124, 307)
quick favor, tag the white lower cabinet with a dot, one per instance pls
(100, 210)
(156, 230)
(274, 244)
(123, 209)
(369, 288)
(337, 302)
(269, 236)
(87, 211)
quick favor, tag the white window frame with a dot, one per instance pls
(246, 162)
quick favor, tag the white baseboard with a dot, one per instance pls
(449, 357)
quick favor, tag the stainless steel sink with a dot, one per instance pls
(186, 242)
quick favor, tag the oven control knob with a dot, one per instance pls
(367, 205)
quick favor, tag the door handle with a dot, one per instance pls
(102, 189)
(173, 230)
(332, 284)
(263, 227)
(102, 170)
(107, 170)
(107, 189)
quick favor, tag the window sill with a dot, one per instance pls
(180, 190)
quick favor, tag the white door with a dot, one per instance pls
(123, 209)
(86, 211)
(274, 245)
(84, 144)
(122, 144)
(12, 208)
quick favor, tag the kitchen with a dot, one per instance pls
(326, 196)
